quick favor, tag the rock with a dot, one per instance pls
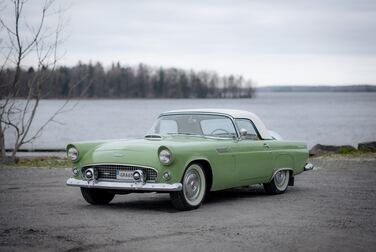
(320, 149)
(367, 147)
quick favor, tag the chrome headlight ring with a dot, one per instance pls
(72, 153)
(165, 156)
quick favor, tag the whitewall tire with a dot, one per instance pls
(194, 189)
(279, 183)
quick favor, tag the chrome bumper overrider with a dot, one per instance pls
(308, 167)
(136, 186)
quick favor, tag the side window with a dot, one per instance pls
(168, 126)
(221, 127)
(248, 125)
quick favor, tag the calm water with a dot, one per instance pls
(326, 118)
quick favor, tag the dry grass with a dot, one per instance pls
(40, 162)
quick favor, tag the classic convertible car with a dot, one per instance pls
(188, 153)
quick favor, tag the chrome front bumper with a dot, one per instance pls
(133, 186)
(308, 167)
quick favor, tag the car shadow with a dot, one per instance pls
(159, 204)
(162, 203)
(235, 194)
(135, 202)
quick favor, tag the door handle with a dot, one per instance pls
(266, 146)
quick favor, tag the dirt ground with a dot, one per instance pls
(330, 208)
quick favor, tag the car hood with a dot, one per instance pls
(128, 145)
(151, 143)
(140, 151)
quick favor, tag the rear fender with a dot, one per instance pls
(283, 162)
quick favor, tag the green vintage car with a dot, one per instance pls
(188, 153)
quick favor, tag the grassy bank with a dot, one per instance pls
(40, 162)
(349, 153)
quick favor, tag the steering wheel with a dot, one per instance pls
(225, 131)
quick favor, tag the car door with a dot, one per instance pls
(223, 160)
(253, 155)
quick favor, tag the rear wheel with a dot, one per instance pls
(194, 189)
(279, 183)
(97, 196)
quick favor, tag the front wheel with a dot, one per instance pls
(279, 183)
(194, 189)
(97, 196)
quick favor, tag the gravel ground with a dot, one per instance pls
(330, 208)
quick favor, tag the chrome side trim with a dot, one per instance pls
(308, 167)
(222, 150)
(133, 186)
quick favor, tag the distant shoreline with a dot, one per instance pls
(318, 88)
(271, 89)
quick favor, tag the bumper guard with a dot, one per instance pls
(308, 167)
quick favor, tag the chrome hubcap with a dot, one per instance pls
(281, 180)
(192, 184)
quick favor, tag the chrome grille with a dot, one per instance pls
(108, 171)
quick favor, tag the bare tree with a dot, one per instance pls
(25, 41)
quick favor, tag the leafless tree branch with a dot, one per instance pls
(19, 115)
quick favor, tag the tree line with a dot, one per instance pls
(117, 81)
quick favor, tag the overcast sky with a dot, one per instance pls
(270, 41)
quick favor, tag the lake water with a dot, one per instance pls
(326, 118)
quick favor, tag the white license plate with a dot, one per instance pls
(126, 175)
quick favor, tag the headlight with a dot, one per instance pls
(165, 156)
(72, 153)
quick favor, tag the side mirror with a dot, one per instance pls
(243, 132)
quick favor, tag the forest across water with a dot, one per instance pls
(117, 81)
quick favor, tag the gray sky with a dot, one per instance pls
(269, 41)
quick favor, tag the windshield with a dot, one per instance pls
(194, 124)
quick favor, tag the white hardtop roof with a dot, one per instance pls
(233, 113)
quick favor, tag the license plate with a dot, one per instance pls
(125, 175)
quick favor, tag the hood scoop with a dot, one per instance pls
(153, 137)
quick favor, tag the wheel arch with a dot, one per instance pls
(205, 164)
(291, 173)
(283, 161)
